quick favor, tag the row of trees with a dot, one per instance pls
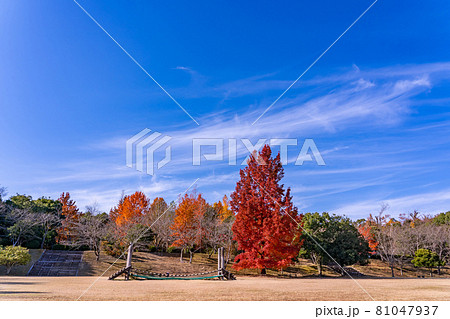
(24, 220)
(259, 224)
(421, 240)
(190, 225)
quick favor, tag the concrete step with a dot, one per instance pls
(57, 263)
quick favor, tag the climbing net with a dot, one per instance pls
(143, 274)
(135, 273)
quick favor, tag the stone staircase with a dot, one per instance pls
(57, 263)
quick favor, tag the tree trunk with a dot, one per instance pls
(181, 255)
(439, 270)
(431, 272)
(8, 269)
(401, 270)
(43, 241)
(191, 254)
(392, 271)
(228, 255)
(319, 267)
(16, 242)
(263, 271)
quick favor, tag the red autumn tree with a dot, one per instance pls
(367, 232)
(267, 223)
(71, 215)
(188, 223)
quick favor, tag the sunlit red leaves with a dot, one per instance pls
(366, 231)
(267, 223)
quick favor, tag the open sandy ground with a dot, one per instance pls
(245, 288)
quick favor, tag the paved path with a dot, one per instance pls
(57, 263)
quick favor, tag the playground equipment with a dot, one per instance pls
(129, 271)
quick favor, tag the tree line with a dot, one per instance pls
(413, 238)
(258, 224)
(189, 225)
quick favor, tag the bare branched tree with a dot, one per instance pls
(212, 236)
(23, 221)
(384, 234)
(161, 220)
(437, 239)
(46, 222)
(89, 230)
(402, 240)
(387, 246)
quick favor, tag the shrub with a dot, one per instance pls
(11, 256)
(33, 244)
(426, 258)
(113, 249)
(173, 249)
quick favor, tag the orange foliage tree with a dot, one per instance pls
(130, 210)
(71, 216)
(223, 209)
(130, 223)
(188, 227)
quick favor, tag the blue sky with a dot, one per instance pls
(376, 104)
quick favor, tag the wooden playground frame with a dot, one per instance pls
(130, 272)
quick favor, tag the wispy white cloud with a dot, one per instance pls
(426, 203)
(338, 104)
(343, 108)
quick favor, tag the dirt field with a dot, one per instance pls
(249, 285)
(245, 288)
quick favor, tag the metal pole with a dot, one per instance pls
(218, 261)
(223, 257)
(129, 258)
